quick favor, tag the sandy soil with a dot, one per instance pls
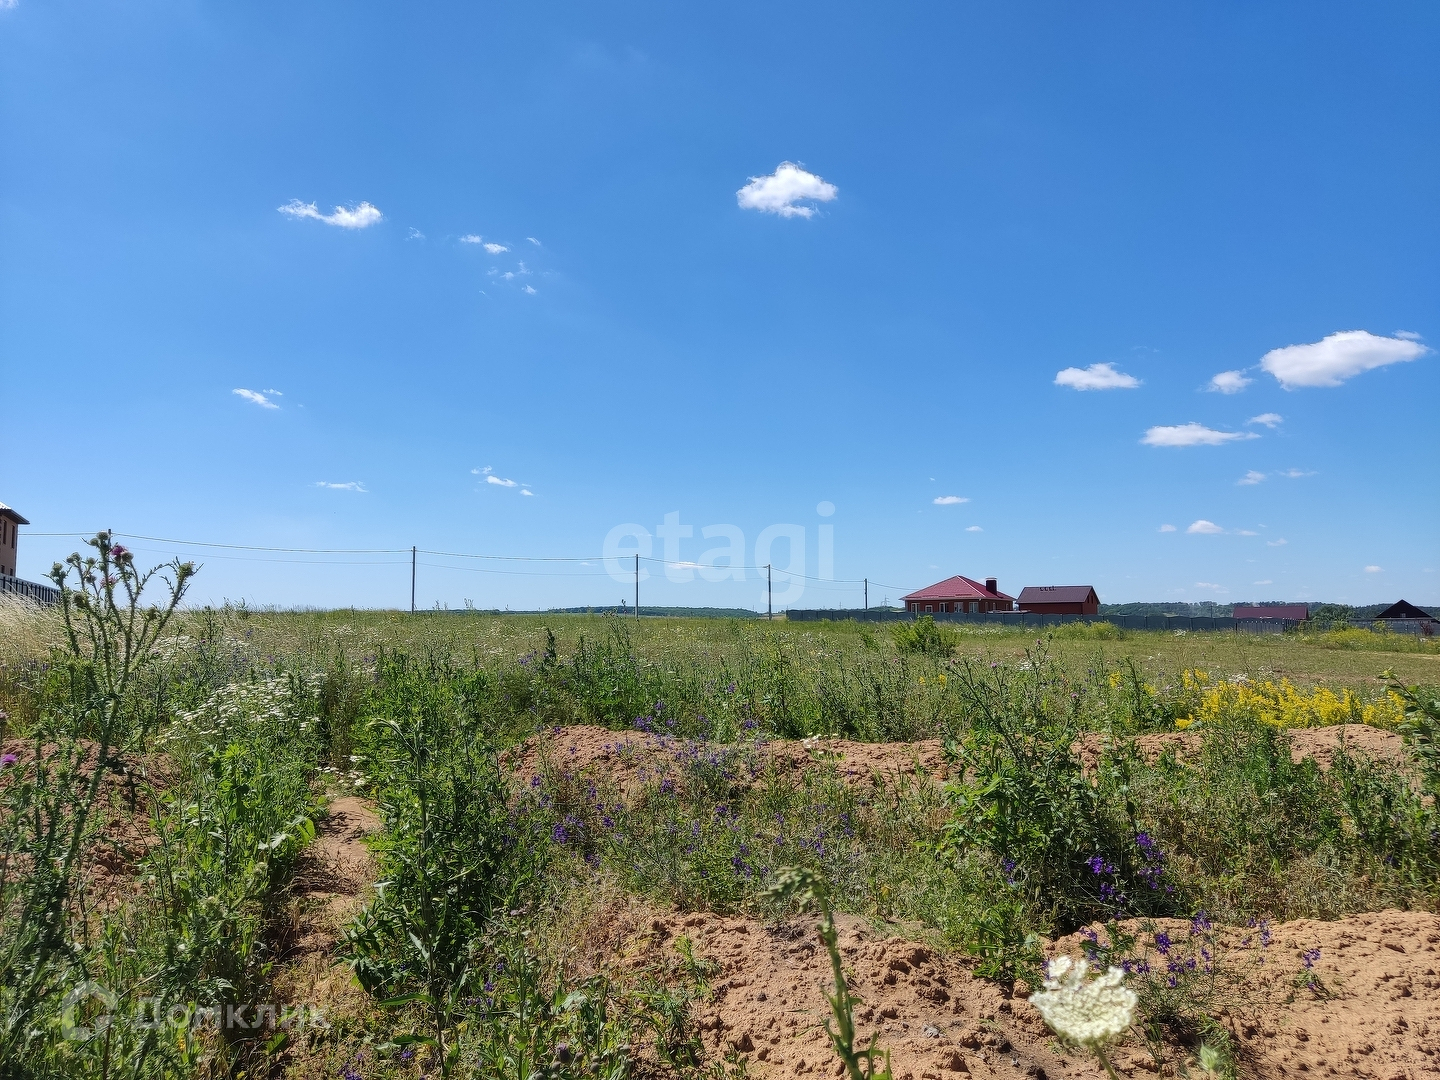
(1318, 743)
(630, 758)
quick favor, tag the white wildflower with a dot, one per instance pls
(1088, 1012)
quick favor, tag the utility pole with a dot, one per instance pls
(637, 587)
(412, 580)
(867, 594)
(769, 590)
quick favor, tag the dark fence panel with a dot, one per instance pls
(31, 590)
(1427, 627)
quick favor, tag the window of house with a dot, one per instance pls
(929, 607)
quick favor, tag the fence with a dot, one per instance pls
(1129, 622)
(31, 590)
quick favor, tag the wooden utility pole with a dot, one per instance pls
(867, 594)
(412, 580)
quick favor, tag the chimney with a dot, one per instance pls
(991, 584)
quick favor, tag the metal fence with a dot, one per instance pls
(1129, 622)
(31, 590)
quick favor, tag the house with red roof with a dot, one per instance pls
(1060, 600)
(958, 594)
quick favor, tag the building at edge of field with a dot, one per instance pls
(1294, 612)
(957, 594)
(1060, 600)
(10, 523)
(1403, 609)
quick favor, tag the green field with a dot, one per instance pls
(176, 871)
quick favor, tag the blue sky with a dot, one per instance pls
(1139, 196)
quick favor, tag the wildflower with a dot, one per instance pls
(8, 759)
(1090, 1012)
(1162, 943)
(1309, 956)
(1200, 923)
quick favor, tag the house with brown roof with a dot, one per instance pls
(958, 594)
(1060, 600)
(10, 523)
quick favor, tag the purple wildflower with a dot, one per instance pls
(1162, 943)
(1309, 956)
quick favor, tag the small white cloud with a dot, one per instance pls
(1341, 356)
(349, 485)
(949, 500)
(1276, 543)
(415, 234)
(1269, 419)
(529, 289)
(1263, 581)
(358, 217)
(1192, 434)
(500, 481)
(1407, 335)
(1167, 528)
(1211, 586)
(256, 397)
(1096, 377)
(973, 528)
(1251, 477)
(1229, 382)
(781, 191)
(526, 491)
(272, 390)
(534, 241)
(1246, 532)
(1208, 528)
(1373, 570)
(508, 275)
(1295, 474)
(496, 249)
(472, 238)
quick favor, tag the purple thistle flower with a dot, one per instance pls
(8, 759)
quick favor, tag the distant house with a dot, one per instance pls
(1060, 600)
(10, 523)
(1294, 612)
(959, 594)
(1403, 609)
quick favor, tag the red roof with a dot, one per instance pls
(1056, 594)
(1298, 612)
(956, 588)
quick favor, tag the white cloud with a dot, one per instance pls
(1251, 477)
(1263, 581)
(1208, 528)
(949, 500)
(1269, 419)
(255, 396)
(1210, 585)
(974, 528)
(1096, 377)
(508, 275)
(358, 217)
(472, 238)
(529, 289)
(1229, 382)
(1373, 570)
(779, 192)
(415, 234)
(272, 390)
(1407, 335)
(1276, 543)
(1295, 474)
(526, 491)
(349, 485)
(490, 478)
(1246, 532)
(1338, 357)
(1192, 434)
(9, 5)
(534, 241)
(496, 249)
(1167, 528)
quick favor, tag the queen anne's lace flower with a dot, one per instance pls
(1089, 1012)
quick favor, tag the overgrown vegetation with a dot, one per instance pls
(165, 770)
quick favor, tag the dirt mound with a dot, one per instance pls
(930, 1011)
(1319, 743)
(1374, 1013)
(632, 758)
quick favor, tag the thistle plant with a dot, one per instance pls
(1092, 1013)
